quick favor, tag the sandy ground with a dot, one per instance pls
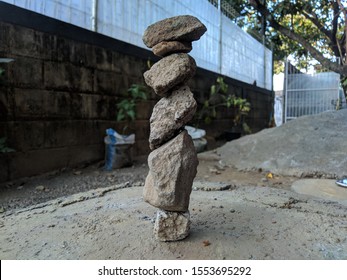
(244, 223)
(254, 217)
(253, 213)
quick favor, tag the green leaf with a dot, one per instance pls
(208, 120)
(120, 116)
(213, 89)
(132, 115)
(3, 147)
(7, 150)
(214, 113)
(138, 92)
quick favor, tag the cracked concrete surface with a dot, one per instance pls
(239, 223)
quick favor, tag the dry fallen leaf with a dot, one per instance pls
(269, 175)
(206, 243)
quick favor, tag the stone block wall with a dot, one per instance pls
(59, 95)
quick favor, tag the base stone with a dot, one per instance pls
(171, 226)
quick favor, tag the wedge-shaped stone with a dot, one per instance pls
(171, 226)
(168, 47)
(169, 72)
(178, 28)
(170, 114)
(172, 168)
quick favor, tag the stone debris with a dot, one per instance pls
(173, 161)
(170, 114)
(171, 226)
(40, 188)
(169, 72)
(212, 186)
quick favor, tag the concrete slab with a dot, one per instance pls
(115, 223)
(321, 188)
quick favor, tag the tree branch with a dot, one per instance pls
(344, 11)
(330, 35)
(326, 63)
(317, 23)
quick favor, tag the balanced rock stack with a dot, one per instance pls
(173, 161)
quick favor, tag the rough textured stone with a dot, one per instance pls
(169, 72)
(170, 114)
(169, 47)
(179, 28)
(173, 163)
(171, 226)
(172, 168)
(305, 147)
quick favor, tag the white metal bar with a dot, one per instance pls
(94, 17)
(220, 41)
(312, 89)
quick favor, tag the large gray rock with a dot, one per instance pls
(169, 72)
(172, 168)
(168, 47)
(179, 28)
(171, 226)
(170, 114)
(307, 146)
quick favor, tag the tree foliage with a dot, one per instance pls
(307, 29)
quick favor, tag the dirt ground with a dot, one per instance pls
(256, 217)
(254, 214)
(30, 191)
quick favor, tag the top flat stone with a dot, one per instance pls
(179, 28)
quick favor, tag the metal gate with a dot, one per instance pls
(310, 94)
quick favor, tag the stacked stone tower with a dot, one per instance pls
(173, 161)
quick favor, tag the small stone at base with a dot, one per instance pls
(171, 226)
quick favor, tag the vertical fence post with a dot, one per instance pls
(285, 87)
(220, 27)
(94, 17)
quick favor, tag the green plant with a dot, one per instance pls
(3, 146)
(219, 97)
(126, 108)
(2, 70)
